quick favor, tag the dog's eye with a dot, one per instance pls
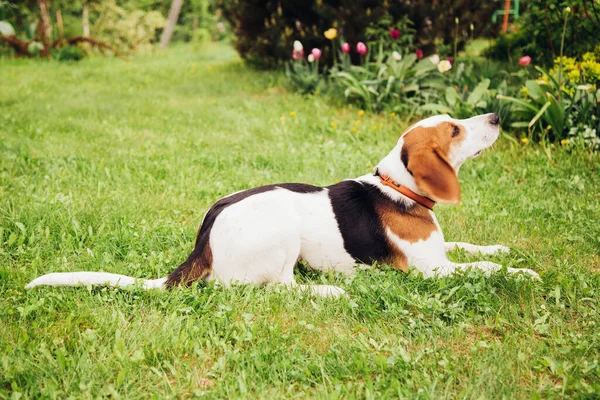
(455, 131)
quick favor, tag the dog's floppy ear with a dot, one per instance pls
(434, 175)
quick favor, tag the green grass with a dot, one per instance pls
(110, 165)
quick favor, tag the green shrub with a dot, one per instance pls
(265, 30)
(540, 29)
(556, 108)
(69, 53)
(388, 83)
(114, 26)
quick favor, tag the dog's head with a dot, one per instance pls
(433, 150)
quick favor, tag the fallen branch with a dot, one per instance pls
(84, 39)
(20, 46)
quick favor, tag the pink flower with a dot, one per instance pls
(346, 47)
(525, 61)
(451, 60)
(361, 48)
(316, 53)
(296, 55)
(395, 33)
(419, 54)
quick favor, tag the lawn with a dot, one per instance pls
(110, 165)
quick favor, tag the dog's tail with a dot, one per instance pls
(94, 278)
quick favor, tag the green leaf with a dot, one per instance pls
(538, 115)
(451, 96)
(439, 108)
(478, 93)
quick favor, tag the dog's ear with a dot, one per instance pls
(434, 175)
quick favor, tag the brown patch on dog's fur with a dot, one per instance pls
(397, 258)
(195, 268)
(412, 225)
(425, 153)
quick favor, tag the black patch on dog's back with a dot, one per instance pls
(354, 206)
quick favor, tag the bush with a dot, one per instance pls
(399, 84)
(558, 107)
(265, 30)
(69, 53)
(540, 30)
(114, 25)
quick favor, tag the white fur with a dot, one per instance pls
(93, 278)
(260, 238)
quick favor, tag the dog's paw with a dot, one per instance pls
(327, 291)
(525, 271)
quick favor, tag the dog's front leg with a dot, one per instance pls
(486, 266)
(475, 249)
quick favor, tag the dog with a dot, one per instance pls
(258, 235)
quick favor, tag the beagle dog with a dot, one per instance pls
(258, 235)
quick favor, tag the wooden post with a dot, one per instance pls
(506, 14)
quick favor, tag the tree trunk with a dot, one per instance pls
(46, 28)
(85, 19)
(165, 38)
(194, 25)
(59, 24)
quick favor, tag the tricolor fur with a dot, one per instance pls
(258, 235)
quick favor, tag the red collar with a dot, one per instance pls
(387, 181)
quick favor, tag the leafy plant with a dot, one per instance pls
(462, 104)
(401, 85)
(555, 108)
(303, 76)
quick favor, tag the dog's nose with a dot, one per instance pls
(494, 119)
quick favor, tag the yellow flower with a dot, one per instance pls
(316, 93)
(214, 102)
(195, 65)
(564, 142)
(210, 68)
(357, 122)
(374, 127)
(293, 114)
(330, 33)
(393, 114)
(361, 113)
(524, 140)
(282, 118)
(354, 129)
(333, 124)
(549, 127)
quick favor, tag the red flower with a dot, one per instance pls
(361, 48)
(395, 33)
(525, 61)
(296, 55)
(451, 60)
(419, 54)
